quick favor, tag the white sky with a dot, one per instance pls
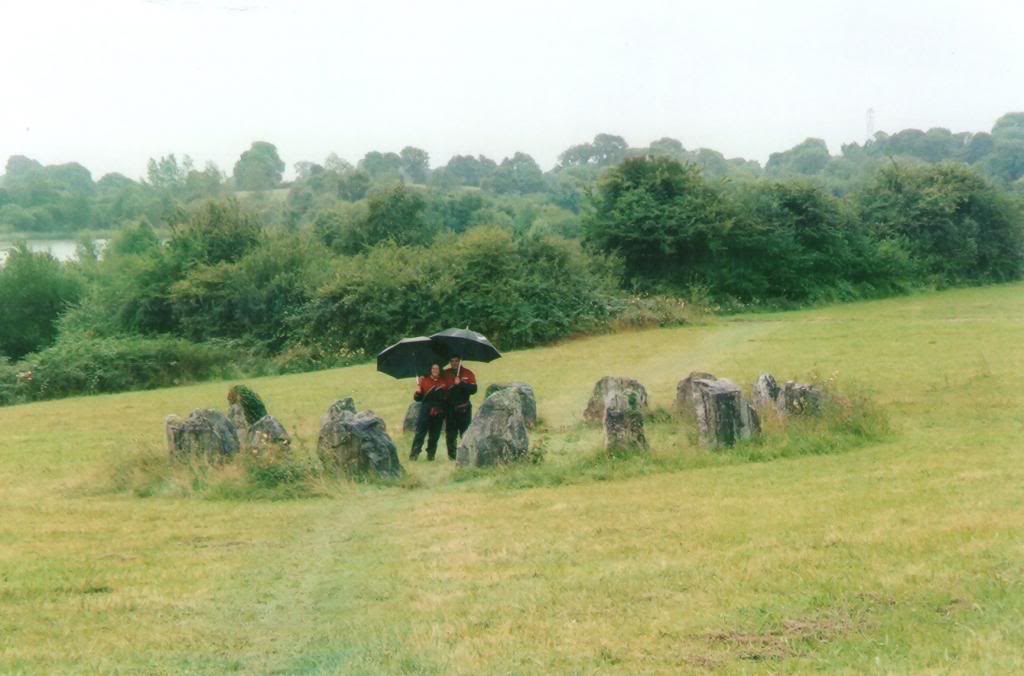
(111, 83)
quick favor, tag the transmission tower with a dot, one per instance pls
(871, 123)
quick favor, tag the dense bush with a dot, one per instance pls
(955, 224)
(790, 241)
(34, 290)
(251, 298)
(518, 291)
(78, 365)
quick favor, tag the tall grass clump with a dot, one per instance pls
(846, 420)
(271, 475)
(251, 474)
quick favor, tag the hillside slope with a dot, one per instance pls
(903, 555)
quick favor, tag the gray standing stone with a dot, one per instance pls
(267, 434)
(412, 414)
(765, 392)
(623, 424)
(527, 399)
(237, 417)
(346, 405)
(357, 444)
(723, 416)
(605, 386)
(686, 390)
(205, 432)
(497, 433)
(800, 398)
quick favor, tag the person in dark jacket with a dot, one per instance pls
(461, 385)
(432, 393)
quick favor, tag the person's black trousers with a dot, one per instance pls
(456, 425)
(427, 427)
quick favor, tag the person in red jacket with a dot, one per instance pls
(432, 393)
(461, 385)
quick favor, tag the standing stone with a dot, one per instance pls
(623, 424)
(412, 414)
(527, 399)
(686, 390)
(173, 425)
(765, 392)
(205, 432)
(345, 404)
(497, 433)
(605, 386)
(357, 444)
(800, 398)
(237, 417)
(268, 434)
(723, 417)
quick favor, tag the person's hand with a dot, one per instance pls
(458, 380)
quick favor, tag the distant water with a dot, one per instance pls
(61, 249)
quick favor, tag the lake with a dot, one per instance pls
(61, 249)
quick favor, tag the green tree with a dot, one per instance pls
(307, 170)
(956, 225)
(134, 239)
(517, 174)
(167, 174)
(415, 164)
(454, 211)
(792, 241)
(35, 289)
(337, 164)
(215, 232)
(204, 184)
(658, 215)
(807, 158)
(381, 165)
(668, 147)
(394, 214)
(605, 150)
(465, 170)
(259, 167)
(354, 186)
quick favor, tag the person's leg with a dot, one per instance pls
(451, 433)
(422, 423)
(434, 428)
(458, 423)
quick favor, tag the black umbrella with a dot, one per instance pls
(466, 344)
(411, 357)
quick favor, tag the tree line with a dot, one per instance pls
(350, 258)
(63, 199)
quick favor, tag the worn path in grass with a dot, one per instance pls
(905, 555)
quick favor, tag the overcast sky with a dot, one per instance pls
(111, 83)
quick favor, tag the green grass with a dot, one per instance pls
(903, 553)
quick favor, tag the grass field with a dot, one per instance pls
(904, 554)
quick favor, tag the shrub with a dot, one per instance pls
(249, 298)
(518, 291)
(35, 289)
(661, 217)
(77, 365)
(956, 225)
(252, 405)
(792, 242)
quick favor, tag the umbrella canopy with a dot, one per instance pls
(411, 357)
(466, 344)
